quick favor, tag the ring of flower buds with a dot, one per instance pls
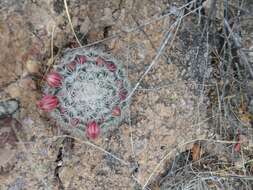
(87, 90)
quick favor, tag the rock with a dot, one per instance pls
(8, 107)
(32, 66)
(18, 184)
(27, 83)
(85, 26)
(6, 155)
(107, 19)
(8, 144)
(14, 42)
(9, 127)
(66, 174)
(13, 90)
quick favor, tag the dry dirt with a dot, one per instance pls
(166, 112)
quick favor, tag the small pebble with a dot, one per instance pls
(13, 90)
(27, 83)
(32, 66)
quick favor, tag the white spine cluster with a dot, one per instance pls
(93, 88)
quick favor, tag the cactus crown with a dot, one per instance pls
(92, 86)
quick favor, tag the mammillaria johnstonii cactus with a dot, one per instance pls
(86, 90)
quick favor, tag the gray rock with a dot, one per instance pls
(8, 107)
(19, 184)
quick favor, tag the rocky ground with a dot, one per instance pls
(169, 111)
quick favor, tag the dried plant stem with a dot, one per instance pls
(175, 26)
(237, 43)
(70, 22)
(165, 41)
(180, 146)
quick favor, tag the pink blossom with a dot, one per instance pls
(62, 110)
(111, 66)
(116, 111)
(71, 66)
(54, 79)
(48, 103)
(92, 130)
(100, 61)
(81, 59)
(237, 147)
(123, 94)
(120, 83)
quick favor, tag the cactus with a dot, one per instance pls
(86, 89)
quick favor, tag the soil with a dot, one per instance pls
(168, 111)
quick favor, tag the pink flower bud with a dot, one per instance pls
(71, 66)
(63, 110)
(81, 59)
(116, 111)
(237, 147)
(100, 61)
(48, 103)
(92, 130)
(111, 66)
(74, 121)
(54, 79)
(123, 94)
(120, 83)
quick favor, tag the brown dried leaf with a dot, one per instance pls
(196, 151)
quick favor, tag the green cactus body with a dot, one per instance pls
(91, 86)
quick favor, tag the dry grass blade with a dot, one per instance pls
(70, 22)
